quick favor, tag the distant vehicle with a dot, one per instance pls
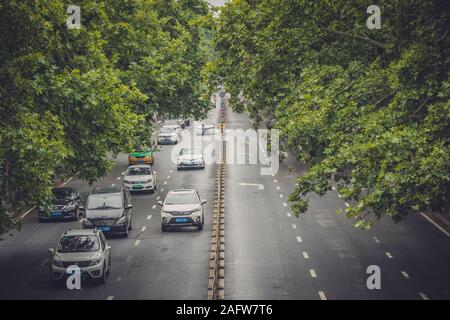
(167, 135)
(181, 123)
(173, 124)
(190, 158)
(271, 123)
(141, 157)
(110, 210)
(140, 178)
(205, 128)
(66, 203)
(182, 207)
(87, 249)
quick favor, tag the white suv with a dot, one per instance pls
(85, 248)
(182, 207)
(140, 178)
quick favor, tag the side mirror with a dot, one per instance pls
(129, 206)
(82, 208)
(204, 201)
(160, 203)
(51, 251)
(108, 247)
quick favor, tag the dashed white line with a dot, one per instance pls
(347, 205)
(143, 228)
(113, 185)
(294, 226)
(165, 182)
(110, 298)
(119, 279)
(154, 207)
(170, 170)
(284, 204)
(158, 197)
(435, 224)
(281, 196)
(129, 259)
(299, 239)
(149, 217)
(333, 188)
(322, 295)
(288, 214)
(376, 239)
(123, 173)
(162, 190)
(389, 255)
(312, 272)
(423, 296)
(305, 255)
(136, 243)
(275, 180)
(168, 177)
(44, 262)
(339, 195)
(278, 188)
(405, 275)
(118, 178)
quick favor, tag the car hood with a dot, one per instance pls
(166, 134)
(103, 213)
(191, 157)
(138, 178)
(77, 256)
(181, 207)
(61, 202)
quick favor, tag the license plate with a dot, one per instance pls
(138, 186)
(104, 229)
(56, 213)
(140, 162)
(181, 220)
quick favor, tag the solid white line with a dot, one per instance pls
(284, 204)
(27, 212)
(322, 295)
(389, 255)
(143, 229)
(312, 272)
(110, 298)
(405, 275)
(435, 224)
(294, 226)
(376, 239)
(149, 217)
(299, 239)
(305, 255)
(154, 207)
(423, 296)
(68, 180)
(136, 243)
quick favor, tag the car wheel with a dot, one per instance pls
(103, 277)
(200, 227)
(109, 266)
(163, 228)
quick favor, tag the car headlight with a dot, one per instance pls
(95, 262)
(69, 207)
(86, 222)
(126, 181)
(196, 211)
(57, 263)
(121, 220)
(166, 212)
(148, 180)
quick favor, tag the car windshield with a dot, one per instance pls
(69, 244)
(166, 130)
(185, 151)
(139, 171)
(171, 122)
(105, 201)
(62, 194)
(181, 198)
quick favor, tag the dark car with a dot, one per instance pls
(66, 204)
(110, 210)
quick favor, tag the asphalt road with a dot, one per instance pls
(270, 254)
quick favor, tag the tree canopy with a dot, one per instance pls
(365, 109)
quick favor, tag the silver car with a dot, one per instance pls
(86, 249)
(182, 207)
(140, 178)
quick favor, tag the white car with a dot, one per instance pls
(140, 178)
(182, 207)
(173, 124)
(85, 248)
(190, 158)
(167, 135)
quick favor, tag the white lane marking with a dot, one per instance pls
(129, 259)
(376, 239)
(165, 182)
(288, 214)
(275, 180)
(168, 177)
(299, 239)
(110, 298)
(294, 226)
(113, 185)
(339, 195)
(123, 173)
(158, 197)
(389, 255)
(435, 224)
(170, 170)
(423, 296)
(305, 255)
(347, 205)
(405, 275)
(278, 188)
(149, 217)
(154, 207)
(136, 243)
(119, 279)
(259, 185)
(44, 262)
(333, 188)
(143, 228)
(118, 178)
(162, 190)
(27, 212)
(281, 196)
(322, 295)
(312, 272)
(284, 204)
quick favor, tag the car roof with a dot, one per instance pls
(81, 232)
(106, 190)
(182, 191)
